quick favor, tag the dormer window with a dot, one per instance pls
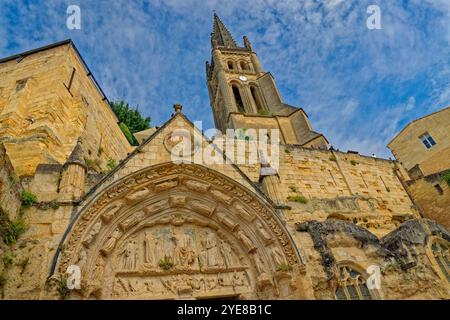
(427, 140)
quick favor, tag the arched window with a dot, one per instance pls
(230, 65)
(352, 285)
(255, 96)
(244, 65)
(238, 98)
(441, 254)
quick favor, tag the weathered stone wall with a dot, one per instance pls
(44, 128)
(407, 267)
(26, 277)
(365, 190)
(10, 187)
(433, 203)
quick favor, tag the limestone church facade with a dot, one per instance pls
(323, 224)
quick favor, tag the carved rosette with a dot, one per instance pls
(175, 230)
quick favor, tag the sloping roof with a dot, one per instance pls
(30, 52)
(417, 120)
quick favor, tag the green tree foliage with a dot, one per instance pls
(131, 120)
(131, 139)
(446, 177)
(28, 199)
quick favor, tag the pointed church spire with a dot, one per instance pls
(76, 155)
(221, 36)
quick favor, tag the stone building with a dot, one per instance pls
(321, 224)
(423, 148)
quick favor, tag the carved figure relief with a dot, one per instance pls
(176, 243)
(82, 259)
(180, 143)
(227, 253)
(138, 195)
(92, 234)
(155, 207)
(212, 254)
(278, 256)
(95, 283)
(152, 245)
(131, 221)
(221, 196)
(227, 220)
(244, 213)
(260, 267)
(166, 185)
(263, 232)
(197, 186)
(130, 254)
(246, 241)
(182, 284)
(110, 212)
(111, 242)
(184, 253)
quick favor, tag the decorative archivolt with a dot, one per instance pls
(176, 229)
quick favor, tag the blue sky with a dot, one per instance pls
(359, 86)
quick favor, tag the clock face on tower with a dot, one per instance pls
(243, 78)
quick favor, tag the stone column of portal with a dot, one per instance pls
(73, 177)
(72, 182)
(270, 183)
(222, 80)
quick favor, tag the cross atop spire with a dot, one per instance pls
(221, 36)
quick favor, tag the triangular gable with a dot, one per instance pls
(154, 150)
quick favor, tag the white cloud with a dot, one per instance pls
(322, 55)
(411, 104)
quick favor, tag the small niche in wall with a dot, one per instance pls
(439, 189)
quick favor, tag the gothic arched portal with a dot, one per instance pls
(179, 230)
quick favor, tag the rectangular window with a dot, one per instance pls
(427, 140)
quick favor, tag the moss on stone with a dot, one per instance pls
(446, 177)
(298, 199)
(28, 199)
(10, 230)
(166, 263)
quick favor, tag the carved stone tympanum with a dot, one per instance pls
(165, 238)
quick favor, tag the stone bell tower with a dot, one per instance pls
(244, 96)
